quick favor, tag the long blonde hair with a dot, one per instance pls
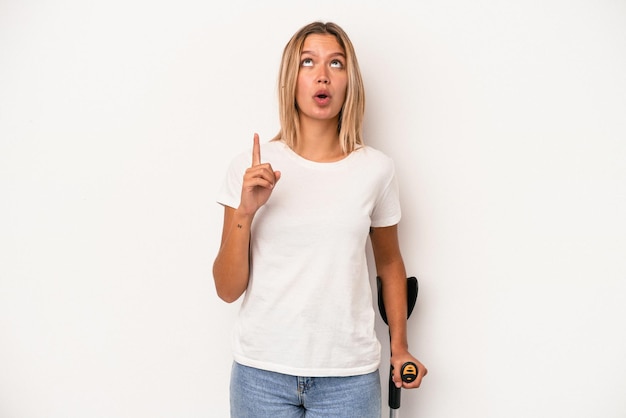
(351, 114)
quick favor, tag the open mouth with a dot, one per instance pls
(322, 97)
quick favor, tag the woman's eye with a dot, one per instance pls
(336, 64)
(307, 62)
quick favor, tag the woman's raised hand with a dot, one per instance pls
(258, 182)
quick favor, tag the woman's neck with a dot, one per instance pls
(319, 142)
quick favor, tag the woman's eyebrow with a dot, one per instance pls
(332, 54)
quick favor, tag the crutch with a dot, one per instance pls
(409, 369)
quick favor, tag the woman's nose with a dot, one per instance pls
(323, 78)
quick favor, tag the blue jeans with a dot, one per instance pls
(258, 393)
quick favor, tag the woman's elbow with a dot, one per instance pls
(228, 296)
(226, 289)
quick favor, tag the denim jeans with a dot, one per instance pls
(258, 393)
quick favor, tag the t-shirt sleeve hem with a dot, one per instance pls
(389, 221)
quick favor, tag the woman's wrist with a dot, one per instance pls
(242, 219)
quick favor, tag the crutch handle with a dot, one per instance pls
(408, 372)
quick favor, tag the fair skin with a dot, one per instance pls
(320, 94)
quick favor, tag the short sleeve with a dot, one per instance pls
(229, 193)
(387, 211)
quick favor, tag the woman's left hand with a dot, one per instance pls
(400, 358)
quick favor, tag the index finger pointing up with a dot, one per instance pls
(256, 151)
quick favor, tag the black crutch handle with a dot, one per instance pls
(408, 373)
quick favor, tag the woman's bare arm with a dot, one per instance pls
(390, 268)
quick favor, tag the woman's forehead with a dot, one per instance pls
(317, 41)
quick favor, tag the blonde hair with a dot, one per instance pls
(351, 114)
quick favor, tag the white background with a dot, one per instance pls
(507, 123)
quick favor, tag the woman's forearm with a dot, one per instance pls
(231, 268)
(395, 296)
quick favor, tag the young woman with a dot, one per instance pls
(298, 211)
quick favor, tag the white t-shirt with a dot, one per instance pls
(308, 308)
